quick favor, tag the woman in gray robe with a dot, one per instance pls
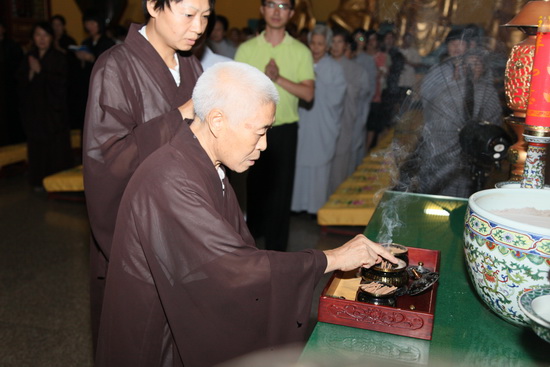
(318, 127)
(351, 142)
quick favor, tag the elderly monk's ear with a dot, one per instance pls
(216, 122)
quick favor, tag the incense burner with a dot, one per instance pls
(394, 275)
(507, 255)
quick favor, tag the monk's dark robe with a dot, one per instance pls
(132, 110)
(186, 284)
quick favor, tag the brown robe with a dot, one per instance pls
(186, 284)
(132, 110)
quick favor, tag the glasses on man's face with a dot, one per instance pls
(272, 5)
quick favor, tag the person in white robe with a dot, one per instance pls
(318, 127)
(354, 115)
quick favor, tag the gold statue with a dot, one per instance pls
(303, 16)
(503, 12)
(353, 14)
(428, 20)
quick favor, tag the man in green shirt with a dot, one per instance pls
(288, 63)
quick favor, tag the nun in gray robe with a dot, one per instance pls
(359, 151)
(318, 130)
(353, 123)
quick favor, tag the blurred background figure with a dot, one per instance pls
(42, 91)
(353, 119)
(11, 55)
(378, 118)
(454, 93)
(94, 45)
(318, 126)
(246, 34)
(117, 33)
(205, 55)
(391, 95)
(218, 41)
(62, 40)
(362, 50)
(413, 61)
(234, 36)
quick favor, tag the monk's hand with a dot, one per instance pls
(272, 70)
(187, 110)
(358, 252)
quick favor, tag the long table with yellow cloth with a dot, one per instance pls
(354, 201)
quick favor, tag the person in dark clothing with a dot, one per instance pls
(42, 85)
(391, 96)
(63, 42)
(11, 55)
(139, 94)
(94, 45)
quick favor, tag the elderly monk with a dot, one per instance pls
(186, 284)
(138, 95)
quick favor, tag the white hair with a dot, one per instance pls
(322, 30)
(236, 88)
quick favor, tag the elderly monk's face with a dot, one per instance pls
(242, 141)
(179, 26)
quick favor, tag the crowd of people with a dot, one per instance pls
(170, 121)
(45, 89)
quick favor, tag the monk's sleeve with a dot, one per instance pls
(121, 128)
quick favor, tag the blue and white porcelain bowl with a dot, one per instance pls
(536, 305)
(507, 249)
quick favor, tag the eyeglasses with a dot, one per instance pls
(272, 5)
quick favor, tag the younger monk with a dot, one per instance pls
(186, 284)
(138, 96)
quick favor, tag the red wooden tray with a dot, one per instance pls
(413, 316)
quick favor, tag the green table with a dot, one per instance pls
(465, 331)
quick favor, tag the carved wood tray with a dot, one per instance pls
(413, 316)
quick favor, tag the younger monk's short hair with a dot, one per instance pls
(233, 87)
(162, 4)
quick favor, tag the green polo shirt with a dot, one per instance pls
(295, 64)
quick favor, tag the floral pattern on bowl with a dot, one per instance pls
(539, 324)
(504, 263)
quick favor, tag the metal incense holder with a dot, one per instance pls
(408, 280)
(386, 272)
